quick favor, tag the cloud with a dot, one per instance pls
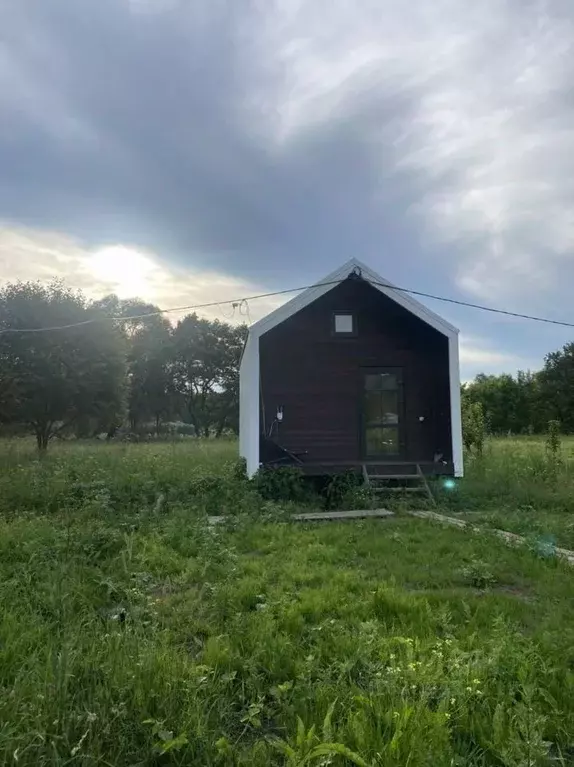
(484, 127)
(234, 147)
(480, 355)
(127, 271)
(261, 140)
(494, 135)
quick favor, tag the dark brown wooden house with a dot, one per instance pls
(352, 373)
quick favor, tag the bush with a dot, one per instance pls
(285, 483)
(478, 575)
(347, 491)
(239, 471)
(473, 426)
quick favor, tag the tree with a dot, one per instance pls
(556, 382)
(206, 372)
(57, 376)
(150, 357)
(133, 313)
(531, 409)
(509, 404)
(226, 406)
(151, 372)
(497, 395)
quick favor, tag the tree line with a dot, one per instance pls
(83, 373)
(525, 403)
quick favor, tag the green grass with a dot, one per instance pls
(515, 486)
(121, 477)
(132, 633)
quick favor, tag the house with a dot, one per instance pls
(352, 372)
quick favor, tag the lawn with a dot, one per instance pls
(516, 486)
(133, 633)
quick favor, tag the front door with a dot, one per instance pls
(382, 413)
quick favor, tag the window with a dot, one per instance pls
(382, 412)
(344, 324)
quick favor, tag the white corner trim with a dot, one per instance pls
(249, 405)
(455, 414)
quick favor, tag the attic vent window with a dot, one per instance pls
(344, 324)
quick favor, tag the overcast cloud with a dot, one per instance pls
(264, 142)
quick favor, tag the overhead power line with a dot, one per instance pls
(478, 306)
(243, 302)
(191, 307)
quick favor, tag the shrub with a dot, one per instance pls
(346, 491)
(473, 426)
(553, 442)
(553, 451)
(478, 575)
(285, 483)
(239, 471)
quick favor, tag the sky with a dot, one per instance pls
(189, 151)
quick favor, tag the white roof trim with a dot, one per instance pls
(311, 294)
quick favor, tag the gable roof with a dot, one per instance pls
(311, 294)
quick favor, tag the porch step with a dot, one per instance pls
(379, 483)
(394, 476)
(383, 489)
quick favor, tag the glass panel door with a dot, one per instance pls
(382, 405)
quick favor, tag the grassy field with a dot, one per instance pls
(132, 633)
(517, 487)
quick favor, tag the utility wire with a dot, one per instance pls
(476, 306)
(189, 308)
(243, 302)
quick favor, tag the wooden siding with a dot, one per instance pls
(316, 376)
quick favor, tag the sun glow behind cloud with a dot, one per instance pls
(130, 272)
(127, 271)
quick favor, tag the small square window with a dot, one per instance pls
(344, 323)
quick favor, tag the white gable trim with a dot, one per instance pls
(249, 381)
(311, 294)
